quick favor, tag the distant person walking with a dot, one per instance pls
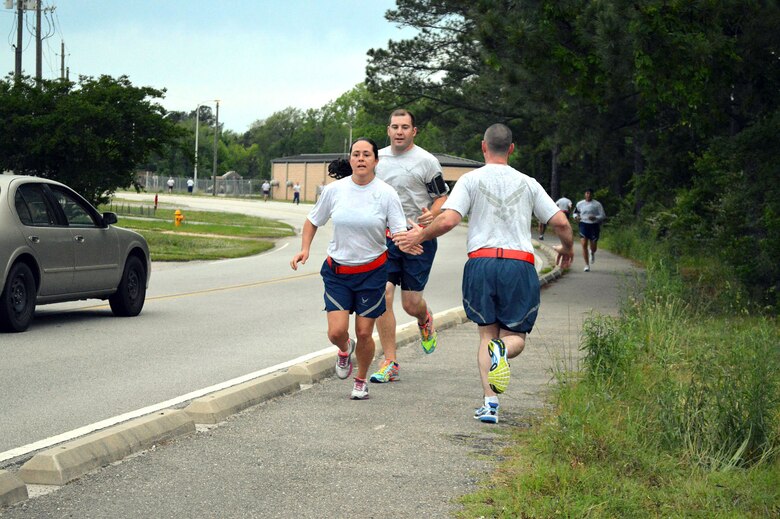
(362, 208)
(170, 184)
(564, 204)
(500, 283)
(266, 187)
(190, 185)
(297, 193)
(416, 175)
(590, 214)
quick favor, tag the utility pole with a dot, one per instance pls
(62, 59)
(197, 131)
(38, 43)
(19, 34)
(216, 135)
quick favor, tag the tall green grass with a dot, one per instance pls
(675, 411)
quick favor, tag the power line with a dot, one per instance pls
(34, 30)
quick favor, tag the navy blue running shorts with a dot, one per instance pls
(590, 231)
(362, 294)
(407, 270)
(503, 291)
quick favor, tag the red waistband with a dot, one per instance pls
(503, 253)
(358, 269)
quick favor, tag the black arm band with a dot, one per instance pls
(437, 186)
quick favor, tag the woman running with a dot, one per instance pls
(363, 209)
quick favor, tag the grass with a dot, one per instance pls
(675, 411)
(204, 235)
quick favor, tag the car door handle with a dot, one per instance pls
(34, 239)
(79, 238)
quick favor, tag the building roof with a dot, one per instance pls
(325, 158)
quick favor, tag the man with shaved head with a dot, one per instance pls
(500, 283)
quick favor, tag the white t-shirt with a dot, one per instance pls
(360, 215)
(590, 212)
(296, 188)
(499, 201)
(408, 173)
(564, 204)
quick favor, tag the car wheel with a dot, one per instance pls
(129, 298)
(17, 302)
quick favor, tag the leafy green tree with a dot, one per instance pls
(90, 135)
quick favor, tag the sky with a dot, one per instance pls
(256, 56)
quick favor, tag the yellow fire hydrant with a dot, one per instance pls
(178, 218)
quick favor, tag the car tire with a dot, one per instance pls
(17, 302)
(128, 300)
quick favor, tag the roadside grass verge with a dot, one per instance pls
(675, 412)
(204, 235)
(202, 227)
(182, 247)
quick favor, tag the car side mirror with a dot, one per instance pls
(109, 219)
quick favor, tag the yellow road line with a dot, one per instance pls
(218, 289)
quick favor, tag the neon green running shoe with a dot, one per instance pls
(428, 335)
(387, 372)
(498, 376)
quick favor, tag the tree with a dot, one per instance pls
(90, 135)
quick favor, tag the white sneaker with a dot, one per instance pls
(587, 268)
(344, 362)
(488, 413)
(359, 390)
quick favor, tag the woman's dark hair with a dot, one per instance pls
(371, 142)
(339, 168)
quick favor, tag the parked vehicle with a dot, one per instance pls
(55, 247)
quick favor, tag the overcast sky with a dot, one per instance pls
(256, 56)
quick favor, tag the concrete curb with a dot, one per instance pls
(71, 460)
(550, 254)
(12, 489)
(314, 370)
(215, 407)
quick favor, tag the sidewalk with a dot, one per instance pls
(409, 451)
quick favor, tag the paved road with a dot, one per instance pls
(409, 451)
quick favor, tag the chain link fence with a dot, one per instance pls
(225, 186)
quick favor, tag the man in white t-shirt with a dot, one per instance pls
(297, 193)
(590, 213)
(564, 204)
(500, 283)
(266, 187)
(416, 176)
